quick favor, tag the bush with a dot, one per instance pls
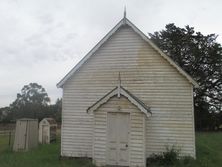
(154, 159)
(167, 158)
(170, 156)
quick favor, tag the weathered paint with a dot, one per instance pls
(144, 73)
(136, 135)
(26, 134)
(49, 126)
(125, 22)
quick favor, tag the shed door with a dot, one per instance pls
(44, 134)
(22, 135)
(117, 139)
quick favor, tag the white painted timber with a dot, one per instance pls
(125, 22)
(148, 76)
(121, 91)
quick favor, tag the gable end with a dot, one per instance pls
(124, 22)
(117, 91)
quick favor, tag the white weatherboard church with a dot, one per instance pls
(125, 100)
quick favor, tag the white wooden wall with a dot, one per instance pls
(144, 73)
(99, 136)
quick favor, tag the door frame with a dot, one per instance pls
(129, 128)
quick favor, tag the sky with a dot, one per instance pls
(42, 40)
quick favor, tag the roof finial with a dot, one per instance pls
(124, 15)
(119, 85)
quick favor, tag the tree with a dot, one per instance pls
(58, 110)
(5, 114)
(32, 94)
(201, 57)
(31, 102)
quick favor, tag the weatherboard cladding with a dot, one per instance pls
(125, 22)
(148, 76)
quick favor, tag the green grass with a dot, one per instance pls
(209, 154)
(43, 156)
(3, 143)
(209, 151)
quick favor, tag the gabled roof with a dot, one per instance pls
(50, 121)
(27, 119)
(118, 91)
(123, 22)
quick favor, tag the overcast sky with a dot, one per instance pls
(41, 40)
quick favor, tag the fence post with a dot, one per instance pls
(9, 140)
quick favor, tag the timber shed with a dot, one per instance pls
(125, 100)
(47, 130)
(26, 134)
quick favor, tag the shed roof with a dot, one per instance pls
(117, 91)
(51, 121)
(121, 23)
(27, 119)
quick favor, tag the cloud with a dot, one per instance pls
(41, 40)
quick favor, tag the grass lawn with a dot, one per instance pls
(209, 154)
(43, 156)
(209, 149)
(3, 143)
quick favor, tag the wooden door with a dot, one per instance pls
(44, 134)
(117, 139)
(22, 135)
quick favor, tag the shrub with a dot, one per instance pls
(167, 158)
(170, 156)
(154, 159)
